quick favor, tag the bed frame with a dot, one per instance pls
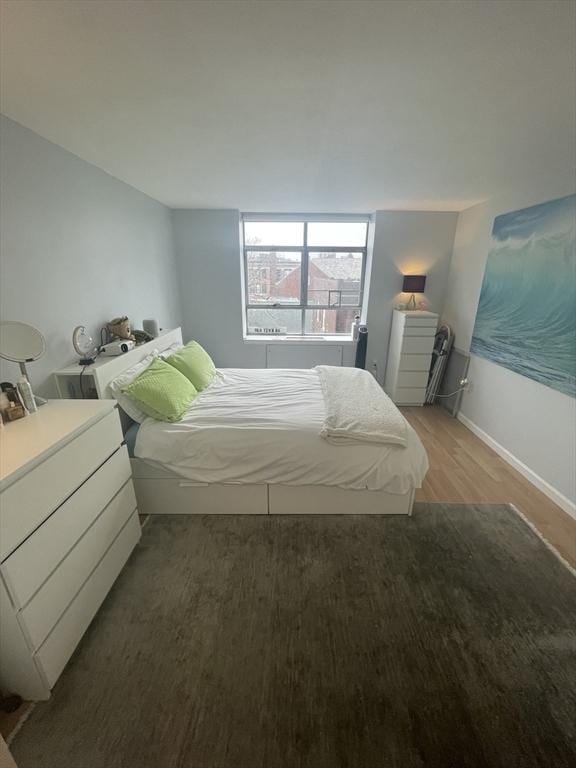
(159, 491)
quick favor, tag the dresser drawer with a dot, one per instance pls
(412, 379)
(52, 599)
(61, 642)
(417, 345)
(52, 541)
(410, 396)
(414, 363)
(421, 322)
(30, 500)
(420, 330)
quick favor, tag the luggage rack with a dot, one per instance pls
(443, 342)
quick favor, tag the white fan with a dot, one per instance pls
(84, 345)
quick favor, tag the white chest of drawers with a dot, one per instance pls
(410, 355)
(68, 523)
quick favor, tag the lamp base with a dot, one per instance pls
(412, 302)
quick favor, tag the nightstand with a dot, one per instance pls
(410, 356)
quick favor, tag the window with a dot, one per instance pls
(303, 277)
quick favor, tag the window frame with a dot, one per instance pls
(305, 250)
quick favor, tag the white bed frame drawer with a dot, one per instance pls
(52, 599)
(60, 644)
(52, 541)
(417, 345)
(30, 500)
(180, 496)
(329, 500)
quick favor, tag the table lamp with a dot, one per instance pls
(413, 284)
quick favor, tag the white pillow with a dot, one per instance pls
(171, 350)
(124, 401)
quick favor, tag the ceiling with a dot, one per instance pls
(294, 105)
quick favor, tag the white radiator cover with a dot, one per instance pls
(303, 354)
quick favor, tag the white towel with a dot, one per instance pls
(358, 410)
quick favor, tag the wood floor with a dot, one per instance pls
(464, 469)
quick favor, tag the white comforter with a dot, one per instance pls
(263, 426)
(357, 409)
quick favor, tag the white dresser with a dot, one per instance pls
(68, 523)
(410, 355)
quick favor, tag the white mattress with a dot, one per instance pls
(262, 426)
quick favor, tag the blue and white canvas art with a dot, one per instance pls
(526, 319)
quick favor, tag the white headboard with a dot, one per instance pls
(106, 369)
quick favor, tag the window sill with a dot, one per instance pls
(336, 340)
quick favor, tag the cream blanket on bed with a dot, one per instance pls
(357, 409)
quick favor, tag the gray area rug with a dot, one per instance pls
(446, 639)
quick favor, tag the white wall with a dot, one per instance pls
(78, 247)
(535, 423)
(208, 253)
(405, 242)
(207, 246)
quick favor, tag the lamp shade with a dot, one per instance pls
(413, 283)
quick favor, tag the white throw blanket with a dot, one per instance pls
(358, 410)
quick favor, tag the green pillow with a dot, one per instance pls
(161, 392)
(195, 363)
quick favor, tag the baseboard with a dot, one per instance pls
(558, 498)
(543, 539)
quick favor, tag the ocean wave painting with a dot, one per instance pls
(526, 319)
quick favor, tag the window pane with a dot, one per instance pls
(334, 279)
(273, 277)
(273, 233)
(329, 320)
(337, 233)
(270, 321)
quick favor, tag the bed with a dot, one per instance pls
(250, 444)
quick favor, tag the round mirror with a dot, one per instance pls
(19, 342)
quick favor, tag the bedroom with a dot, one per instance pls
(263, 576)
